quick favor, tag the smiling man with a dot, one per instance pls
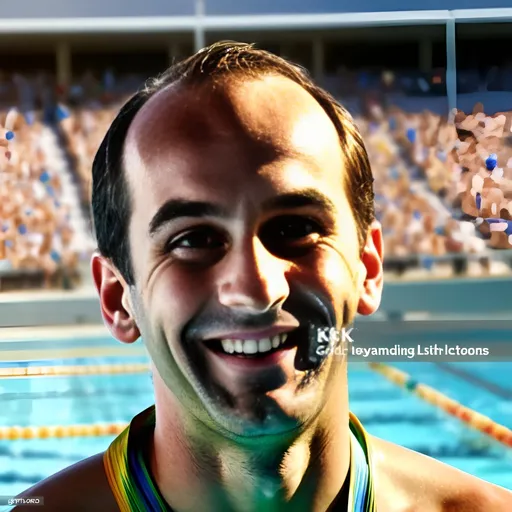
(233, 207)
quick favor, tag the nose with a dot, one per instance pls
(252, 279)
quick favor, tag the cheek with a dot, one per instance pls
(340, 285)
(335, 271)
(340, 276)
(334, 274)
(175, 298)
(170, 303)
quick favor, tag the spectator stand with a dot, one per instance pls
(36, 237)
(81, 130)
(416, 170)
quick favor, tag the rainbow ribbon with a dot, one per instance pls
(135, 490)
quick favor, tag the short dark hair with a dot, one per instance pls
(111, 201)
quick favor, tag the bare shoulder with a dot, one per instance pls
(81, 487)
(407, 481)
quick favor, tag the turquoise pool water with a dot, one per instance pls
(384, 409)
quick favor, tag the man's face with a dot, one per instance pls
(242, 236)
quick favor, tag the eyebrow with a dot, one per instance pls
(308, 197)
(178, 208)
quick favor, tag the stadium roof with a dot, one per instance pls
(147, 24)
(70, 9)
(93, 16)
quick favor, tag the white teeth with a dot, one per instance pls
(264, 345)
(253, 346)
(250, 346)
(228, 346)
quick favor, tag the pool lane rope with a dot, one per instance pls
(471, 418)
(100, 430)
(475, 420)
(49, 371)
(61, 431)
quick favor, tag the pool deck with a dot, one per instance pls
(62, 342)
(475, 298)
(50, 308)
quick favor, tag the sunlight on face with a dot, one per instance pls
(311, 131)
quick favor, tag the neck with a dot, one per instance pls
(197, 470)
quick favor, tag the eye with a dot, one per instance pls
(291, 235)
(201, 244)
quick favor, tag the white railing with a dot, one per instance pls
(249, 22)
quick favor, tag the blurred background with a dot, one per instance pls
(430, 89)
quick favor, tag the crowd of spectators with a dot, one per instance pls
(421, 166)
(36, 236)
(485, 155)
(416, 172)
(428, 171)
(84, 130)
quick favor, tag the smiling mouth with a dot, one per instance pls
(252, 349)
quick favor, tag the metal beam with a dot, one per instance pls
(451, 65)
(199, 33)
(162, 24)
(482, 15)
(320, 21)
(98, 25)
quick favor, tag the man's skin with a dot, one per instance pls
(238, 149)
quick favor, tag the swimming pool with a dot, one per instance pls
(386, 411)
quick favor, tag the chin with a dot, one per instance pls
(286, 410)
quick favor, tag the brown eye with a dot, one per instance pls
(290, 235)
(199, 239)
(198, 244)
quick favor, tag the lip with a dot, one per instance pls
(252, 335)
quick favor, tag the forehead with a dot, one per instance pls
(195, 141)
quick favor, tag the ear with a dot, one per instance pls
(373, 271)
(114, 294)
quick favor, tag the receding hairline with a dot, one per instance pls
(214, 83)
(226, 80)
